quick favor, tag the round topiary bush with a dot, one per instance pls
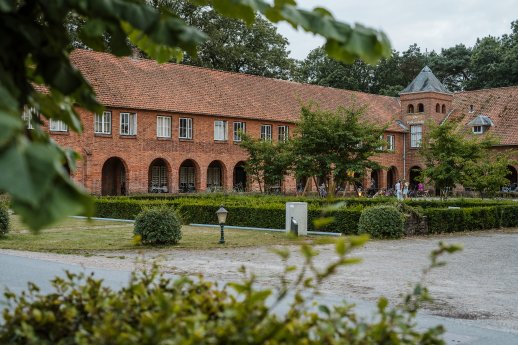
(382, 221)
(4, 220)
(158, 226)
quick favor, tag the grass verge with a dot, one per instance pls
(78, 236)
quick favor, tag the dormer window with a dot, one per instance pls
(471, 108)
(480, 124)
(478, 129)
(420, 108)
(410, 108)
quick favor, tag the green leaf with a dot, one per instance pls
(323, 221)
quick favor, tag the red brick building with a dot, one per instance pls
(172, 127)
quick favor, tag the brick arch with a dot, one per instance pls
(164, 184)
(420, 108)
(438, 108)
(512, 176)
(189, 176)
(443, 109)
(213, 180)
(392, 177)
(410, 109)
(114, 177)
(239, 177)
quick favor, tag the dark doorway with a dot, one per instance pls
(215, 175)
(240, 177)
(391, 177)
(187, 177)
(158, 176)
(114, 177)
(512, 176)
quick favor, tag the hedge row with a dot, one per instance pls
(202, 211)
(265, 216)
(471, 218)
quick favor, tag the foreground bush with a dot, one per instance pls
(152, 309)
(382, 222)
(159, 225)
(4, 220)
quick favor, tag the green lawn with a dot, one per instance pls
(78, 236)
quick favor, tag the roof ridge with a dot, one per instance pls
(240, 74)
(487, 89)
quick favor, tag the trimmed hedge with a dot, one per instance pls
(4, 220)
(471, 218)
(204, 212)
(158, 225)
(269, 211)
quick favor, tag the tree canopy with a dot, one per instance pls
(36, 73)
(492, 62)
(453, 158)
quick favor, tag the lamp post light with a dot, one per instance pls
(222, 218)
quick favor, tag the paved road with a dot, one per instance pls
(16, 271)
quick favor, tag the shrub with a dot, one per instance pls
(159, 225)
(4, 220)
(152, 309)
(382, 222)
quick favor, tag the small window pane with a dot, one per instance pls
(283, 133)
(163, 126)
(416, 133)
(239, 130)
(128, 124)
(57, 126)
(185, 128)
(103, 123)
(266, 132)
(220, 130)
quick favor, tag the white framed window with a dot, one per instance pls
(27, 116)
(163, 126)
(283, 133)
(380, 148)
(478, 129)
(416, 135)
(185, 131)
(266, 132)
(220, 130)
(239, 130)
(128, 124)
(57, 126)
(103, 123)
(391, 142)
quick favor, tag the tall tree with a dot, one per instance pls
(452, 67)
(335, 145)
(35, 56)
(268, 161)
(446, 151)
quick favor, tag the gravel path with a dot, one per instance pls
(479, 283)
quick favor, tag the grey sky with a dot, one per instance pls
(431, 24)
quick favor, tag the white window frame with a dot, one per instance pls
(478, 129)
(283, 133)
(391, 142)
(239, 130)
(416, 136)
(103, 123)
(220, 130)
(131, 129)
(266, 132)
(380, 148)
(163, 126)
(57, 126)
(27, 116)
(187, 128)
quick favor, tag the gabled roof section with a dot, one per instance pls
(145, 84)
(500, 105)
(425, 81)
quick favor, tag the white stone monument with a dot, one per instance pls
(299, 212)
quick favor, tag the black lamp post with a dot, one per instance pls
(222, 218)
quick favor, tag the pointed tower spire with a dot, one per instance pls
(425, 81)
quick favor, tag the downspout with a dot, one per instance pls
(404, 154)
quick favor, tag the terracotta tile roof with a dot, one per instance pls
(145, 84)
(499, 104)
